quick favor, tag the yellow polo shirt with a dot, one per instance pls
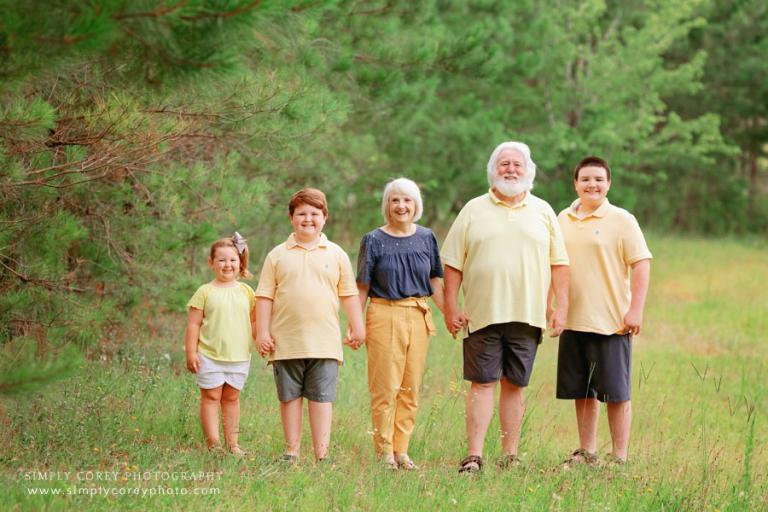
(505, 253)
(602, 247)
(305, 286)
(226, 331)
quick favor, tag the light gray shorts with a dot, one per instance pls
(314, 379)
(212, 374)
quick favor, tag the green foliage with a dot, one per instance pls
(23, 370)
(132, 134)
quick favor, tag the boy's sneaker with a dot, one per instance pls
(612, 461)
(289, 459)
(510, 462)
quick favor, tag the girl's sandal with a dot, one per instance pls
(405, 462)
(471, 464)
(217, 450)
(389, 464)
(237, 451)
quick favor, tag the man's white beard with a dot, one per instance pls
(510, 189)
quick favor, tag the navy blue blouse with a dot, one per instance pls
(399, 267)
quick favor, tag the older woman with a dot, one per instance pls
(398, 268)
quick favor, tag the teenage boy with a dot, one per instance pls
(610, 270)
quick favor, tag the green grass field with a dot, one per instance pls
(129, 424)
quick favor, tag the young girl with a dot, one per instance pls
(218, 340)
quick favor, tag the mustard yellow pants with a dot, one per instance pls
(397, 339)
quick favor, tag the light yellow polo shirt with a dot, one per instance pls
(305, 286)
(505, 253)
(226, 331)
(602, 247)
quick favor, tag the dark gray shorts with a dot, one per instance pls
(501, 349)
(591, 365)
(314, 379)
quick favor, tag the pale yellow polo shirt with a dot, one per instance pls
(505, 253)
(602, 248)
(305, 286)
(226, 331)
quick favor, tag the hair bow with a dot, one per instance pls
(239, 242)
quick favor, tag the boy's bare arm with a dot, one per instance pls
(641, 277)
(264, 340)
(191, 337)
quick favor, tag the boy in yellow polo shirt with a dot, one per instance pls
(302, 282)
(610, 269)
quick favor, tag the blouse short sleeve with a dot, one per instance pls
(267, 285)
(365, 260)
(198, 299)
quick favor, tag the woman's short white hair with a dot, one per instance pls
(530, 167)
(405, 187)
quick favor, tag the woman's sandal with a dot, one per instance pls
(471, 464)
(405, 462)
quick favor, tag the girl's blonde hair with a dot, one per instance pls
(232, 242)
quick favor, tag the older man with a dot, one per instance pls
(504, 248)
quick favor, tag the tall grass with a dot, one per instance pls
(698, 439)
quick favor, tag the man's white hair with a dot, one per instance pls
(530, 167)
(405, 187)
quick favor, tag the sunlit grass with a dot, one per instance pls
(698, 440)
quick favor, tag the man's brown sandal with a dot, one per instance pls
(471, 464)
(581, 457)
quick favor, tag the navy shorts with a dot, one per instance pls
(507, 349)
(313, 379)
(591, 365)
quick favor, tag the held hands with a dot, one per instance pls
(556, 321)
(193, 362)
(455, 321)
(354, 339)
(265, 343)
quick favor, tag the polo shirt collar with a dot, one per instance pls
(495, 199)
(291, 242)
(599, 213)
